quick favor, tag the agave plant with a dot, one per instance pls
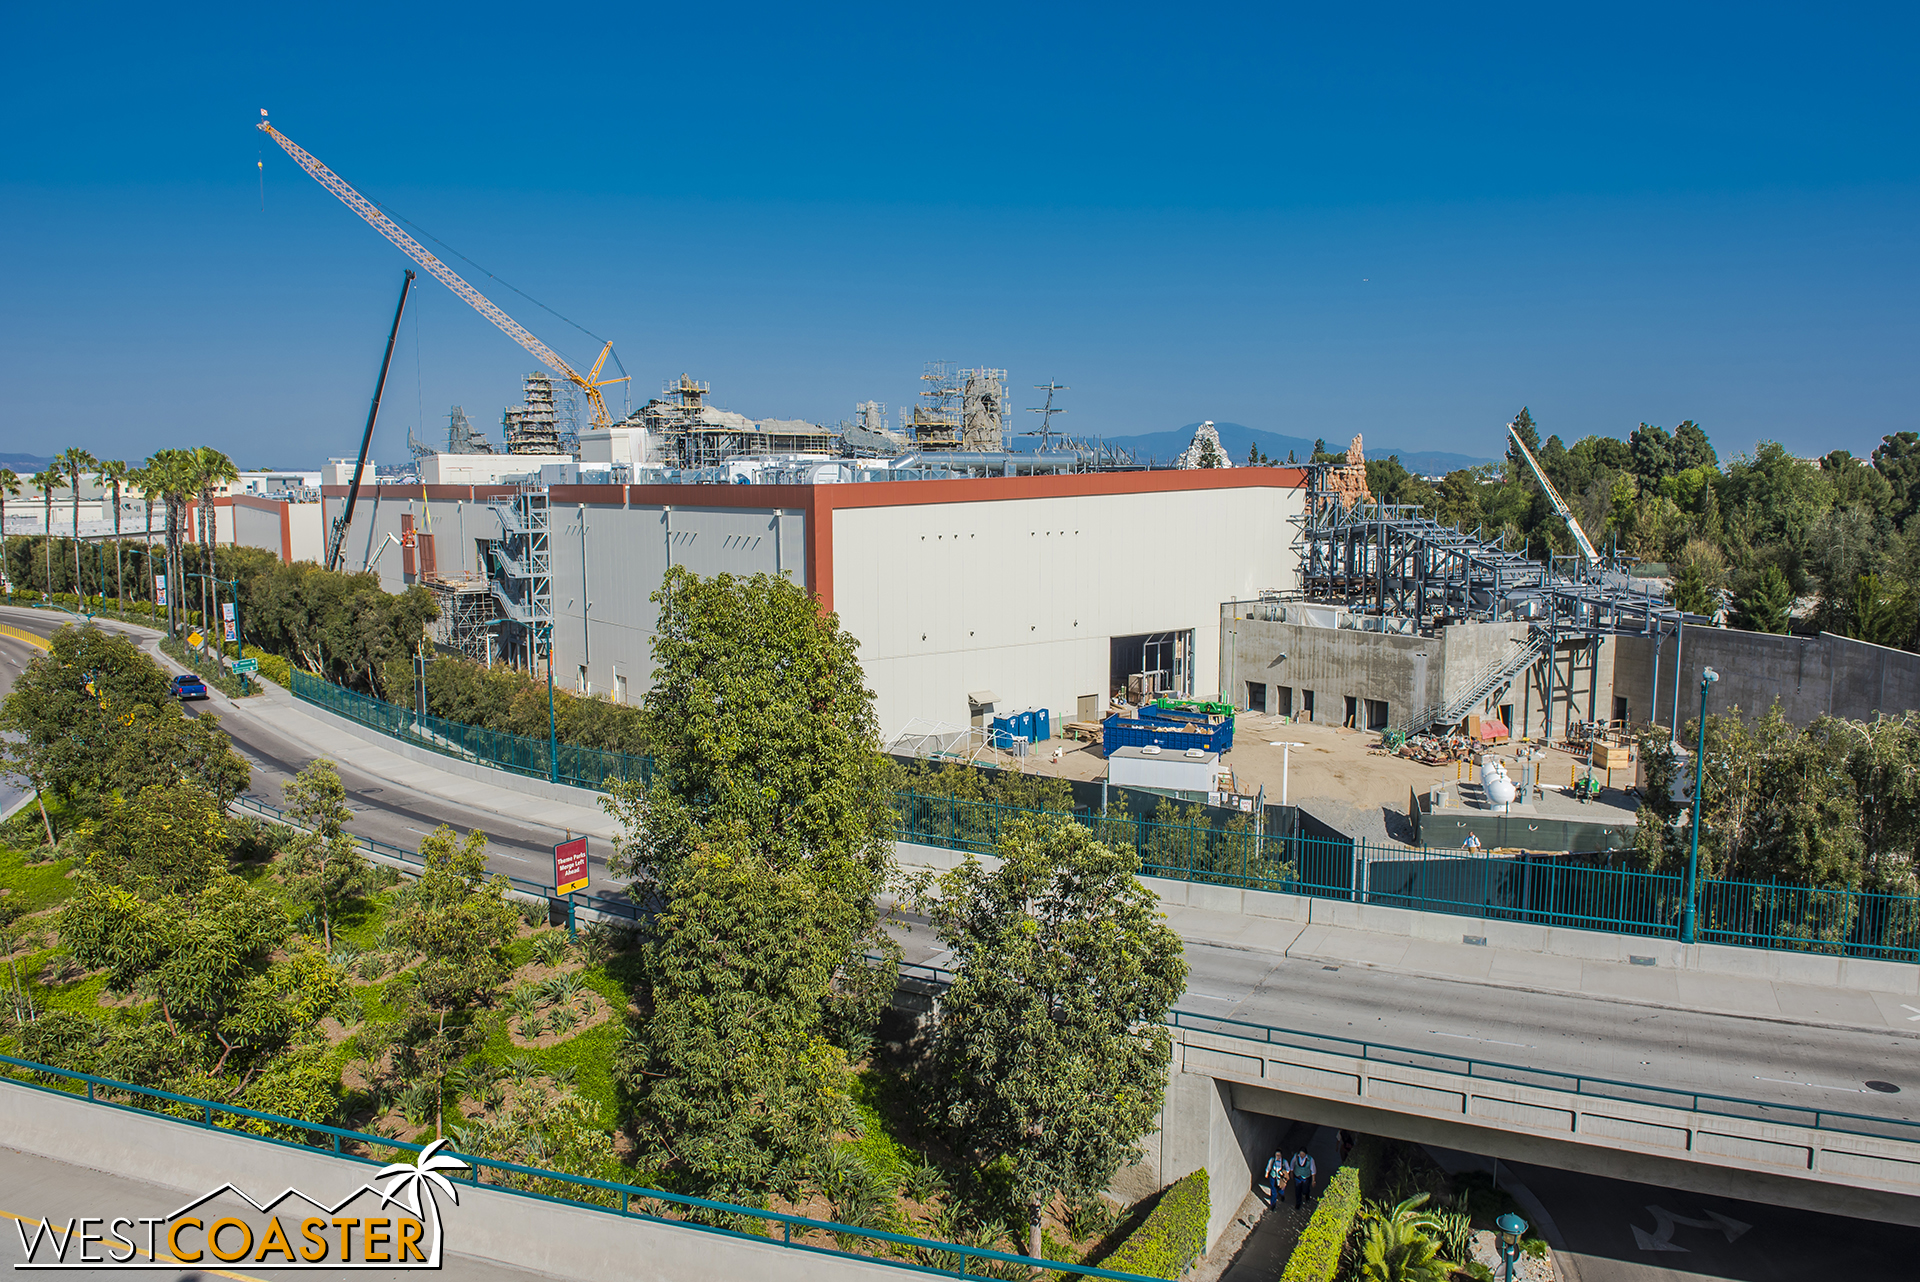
(563, 1019)
(1454, 1234)
(550, 947)
(532, 1026)
(561, 988)
(524, 1000)
(522, 1067)
(924, 1182)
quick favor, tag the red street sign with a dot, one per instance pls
(570, 866)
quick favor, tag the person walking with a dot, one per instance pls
(1278, 1170)
(1302, 1172)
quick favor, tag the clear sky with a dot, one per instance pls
(1405, 221)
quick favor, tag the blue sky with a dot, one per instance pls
(1404, 221)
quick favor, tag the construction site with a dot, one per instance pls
(1034, 600)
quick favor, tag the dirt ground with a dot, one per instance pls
(1333, 775)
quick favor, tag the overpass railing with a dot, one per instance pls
(792, 1232)
(1819, 1119)
(1547, 890)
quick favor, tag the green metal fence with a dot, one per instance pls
(1550, 890)
(567, 763)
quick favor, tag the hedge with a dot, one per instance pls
(272, 666)
(1317, 1254)
(1173, 1235)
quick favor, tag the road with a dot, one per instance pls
(1756, 1059)
(382, 810)
(1618, 1231)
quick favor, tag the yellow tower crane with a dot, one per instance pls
(590, 382)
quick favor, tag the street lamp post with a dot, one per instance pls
(239, 642)
(553, 739)
(1286, 761)
(1707, 678)
(1512, 1229)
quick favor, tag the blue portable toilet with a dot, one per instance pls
(1023, 725)
(1003, 729)
(1042, 725)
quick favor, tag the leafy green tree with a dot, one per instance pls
(1051, 1050)
(324, 865)
(171, 840)
(1698, 574)
(1897, 458)
(1766, 603)
(767, 832)
(1518, 473)
(1880, 612)
(66, 707)
(735, 1081)
(457, 923)
(1652, 449)
(1692, 450)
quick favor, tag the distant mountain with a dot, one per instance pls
(1235, 438)
(28, 464)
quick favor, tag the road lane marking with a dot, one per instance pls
(168, 1258)
(1915, 1009)
(1485, 1041)
(1818, 1086)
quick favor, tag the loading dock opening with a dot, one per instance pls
(1150, 663)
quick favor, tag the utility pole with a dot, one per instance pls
(1707, 678)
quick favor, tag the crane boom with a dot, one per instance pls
(1590, 557)
(446, 275)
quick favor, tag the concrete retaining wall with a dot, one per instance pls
(489, 1223)
(1808, 676)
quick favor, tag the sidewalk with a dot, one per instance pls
(1749, 996)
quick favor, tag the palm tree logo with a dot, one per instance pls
(410, 1178)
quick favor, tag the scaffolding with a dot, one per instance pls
(467, 620)
(520, 578)
(938, 421)
(532, 427)
(693, 434)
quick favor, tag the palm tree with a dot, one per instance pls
(166, 473)
(210, 468)
(1397, 1246)
(142, 480)
(9, 488)
(74, 461)
(114, 472)
(44, 481)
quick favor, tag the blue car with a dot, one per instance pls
(188, 686)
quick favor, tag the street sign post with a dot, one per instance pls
(570, 866)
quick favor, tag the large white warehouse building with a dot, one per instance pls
(1040, 590)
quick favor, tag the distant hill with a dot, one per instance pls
(28, 464)
(1235, 438)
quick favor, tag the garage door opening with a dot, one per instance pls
(1149, 664)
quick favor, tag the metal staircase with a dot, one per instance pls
(1501, 671)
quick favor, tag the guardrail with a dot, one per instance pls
(605, 906)
(1819, 1119)
(896, 1250)
(1530, 889)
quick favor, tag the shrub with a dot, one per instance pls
(1173, 1235)
(1316, 1256)
(272, 666)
